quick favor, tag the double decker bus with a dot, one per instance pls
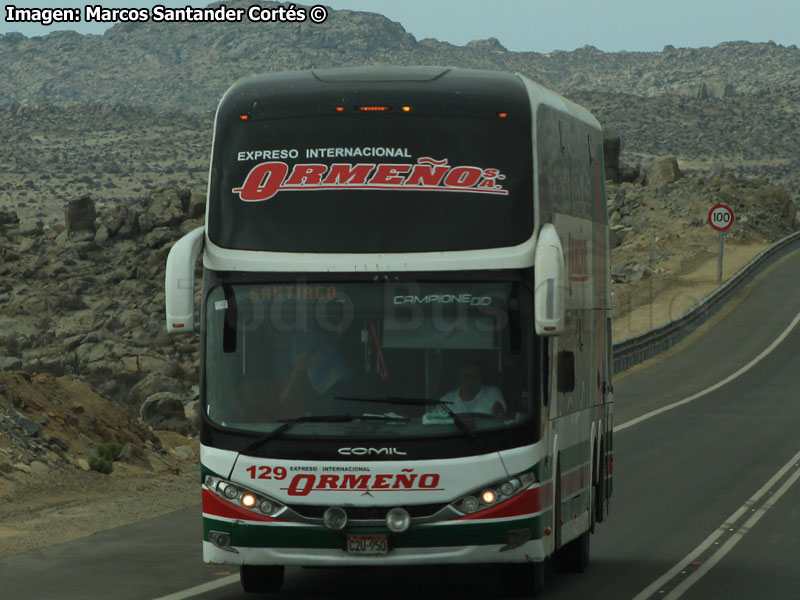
(404, 322)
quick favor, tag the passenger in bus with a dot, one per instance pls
(471, 396)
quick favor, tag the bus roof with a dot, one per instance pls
(438, 90)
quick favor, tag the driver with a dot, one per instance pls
(471, 396)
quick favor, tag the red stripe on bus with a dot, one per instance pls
(573, 482)
(216, 506)
(524, 503)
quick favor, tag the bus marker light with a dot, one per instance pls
(405, 108)
(398, 520)
(177, 325)
(248, 500)
(373, 108)
(334, 518)
(548, 530)
(244, 117)
(338, 108)
(502, 115)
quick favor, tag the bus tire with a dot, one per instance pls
(524, 581)
(261, 579)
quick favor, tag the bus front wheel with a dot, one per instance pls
(525, 580)
(261, 579)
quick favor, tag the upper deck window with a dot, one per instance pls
(376, 182)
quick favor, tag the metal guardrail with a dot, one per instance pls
(635, 349)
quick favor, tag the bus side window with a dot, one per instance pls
(566, 371)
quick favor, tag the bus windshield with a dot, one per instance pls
(404, 356)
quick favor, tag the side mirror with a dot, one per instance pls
(179, 282)
(566, 371)
(548, 283)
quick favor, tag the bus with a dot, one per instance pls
(404, 324)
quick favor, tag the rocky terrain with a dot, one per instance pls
(188, 67)
(106, 142)
(85, 361)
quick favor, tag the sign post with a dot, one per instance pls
(720, 217)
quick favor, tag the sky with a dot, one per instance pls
(533, 25)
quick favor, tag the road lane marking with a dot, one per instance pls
(716, 386)
(699, 561)
(201, 589)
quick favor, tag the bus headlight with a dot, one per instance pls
(494, 494)
(247, 499)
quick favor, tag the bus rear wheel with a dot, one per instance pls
(261, 579)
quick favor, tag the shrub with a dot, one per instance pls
(101, 465)
(110, 451)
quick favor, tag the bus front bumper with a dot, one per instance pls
(532, 551)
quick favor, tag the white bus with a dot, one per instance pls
(405, 324)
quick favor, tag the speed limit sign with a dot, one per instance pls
(720, 217)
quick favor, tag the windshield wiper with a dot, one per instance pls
(289, 423)
(460, 423)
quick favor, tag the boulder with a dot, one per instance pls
(197, 205)
(80, 214)
(152, 384)
(31, 227)
(115, 218)
(166, 206)
(662, 171)
(164, 410)
(102, 234)
(8, 217)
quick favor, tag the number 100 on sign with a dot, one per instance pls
(720, 217)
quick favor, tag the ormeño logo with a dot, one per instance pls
(268, 178)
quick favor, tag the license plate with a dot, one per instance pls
(367, 544)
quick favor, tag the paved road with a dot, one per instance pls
(700, 472)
